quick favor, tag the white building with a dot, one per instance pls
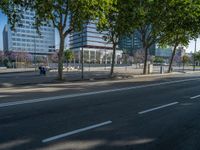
(96, 49)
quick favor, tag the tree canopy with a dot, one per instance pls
(66, 16)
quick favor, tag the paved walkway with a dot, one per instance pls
(29, 77)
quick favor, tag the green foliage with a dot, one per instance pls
(158, 60)
(7, 63)
(170, 22)
(181, 23)
(59, 13)
(185, 59)
(69, 55)
(196, 56)
(115, 21)
(145, 18)
(179, 28)
(13, 9)
(114, 25)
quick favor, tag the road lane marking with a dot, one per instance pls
(53, 98)
(75, 132)
(195, 97)
(156, 108)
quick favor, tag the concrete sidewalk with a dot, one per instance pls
(33, 78)
(17, 70)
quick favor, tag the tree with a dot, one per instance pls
(180, 28)
(115, 26)
(159, 21)
(158, 59)
(139, 56)
(69, 56)
(145, 17)
(185, 60)
(196, 58)
(67, 16)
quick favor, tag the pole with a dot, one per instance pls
(89, 59)
(34, 53)
(105, 59)
(82, 61)
(195, 50)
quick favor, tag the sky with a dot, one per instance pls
(3, 21)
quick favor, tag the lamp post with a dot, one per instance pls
(34, 53)
(82, 61)
(195, 50)
(105, 57)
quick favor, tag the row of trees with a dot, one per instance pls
(8, 58)
(171, 22)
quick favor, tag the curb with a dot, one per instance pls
(7, 85)
(16, 72)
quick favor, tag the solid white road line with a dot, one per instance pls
(195, 97)
(89, 93)
(156, 108)
(75, 132)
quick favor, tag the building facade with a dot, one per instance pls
(164, 52)
(26, 39)
(130, 44)
(93, 44)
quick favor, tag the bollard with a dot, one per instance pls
(161, 69)
(150, 68)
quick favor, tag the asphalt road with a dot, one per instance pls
(156, 114)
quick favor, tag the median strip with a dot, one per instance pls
(156, 108)
(75, 132)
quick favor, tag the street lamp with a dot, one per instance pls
(195, 50)
(34, 53)
(82, 61)
(105, 58)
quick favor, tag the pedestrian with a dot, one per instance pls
(44, 70)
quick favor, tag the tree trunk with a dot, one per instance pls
(113, 60)
(60, 58)
(172, 58)
(145, 60)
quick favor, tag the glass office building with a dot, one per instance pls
(130, 44)
(92, 42)
(25, 38)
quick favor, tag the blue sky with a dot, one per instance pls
(3, 21)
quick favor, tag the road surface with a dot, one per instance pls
(142, 114)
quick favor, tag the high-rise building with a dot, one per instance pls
(26, 39)
(130, 44)
(96, 49)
